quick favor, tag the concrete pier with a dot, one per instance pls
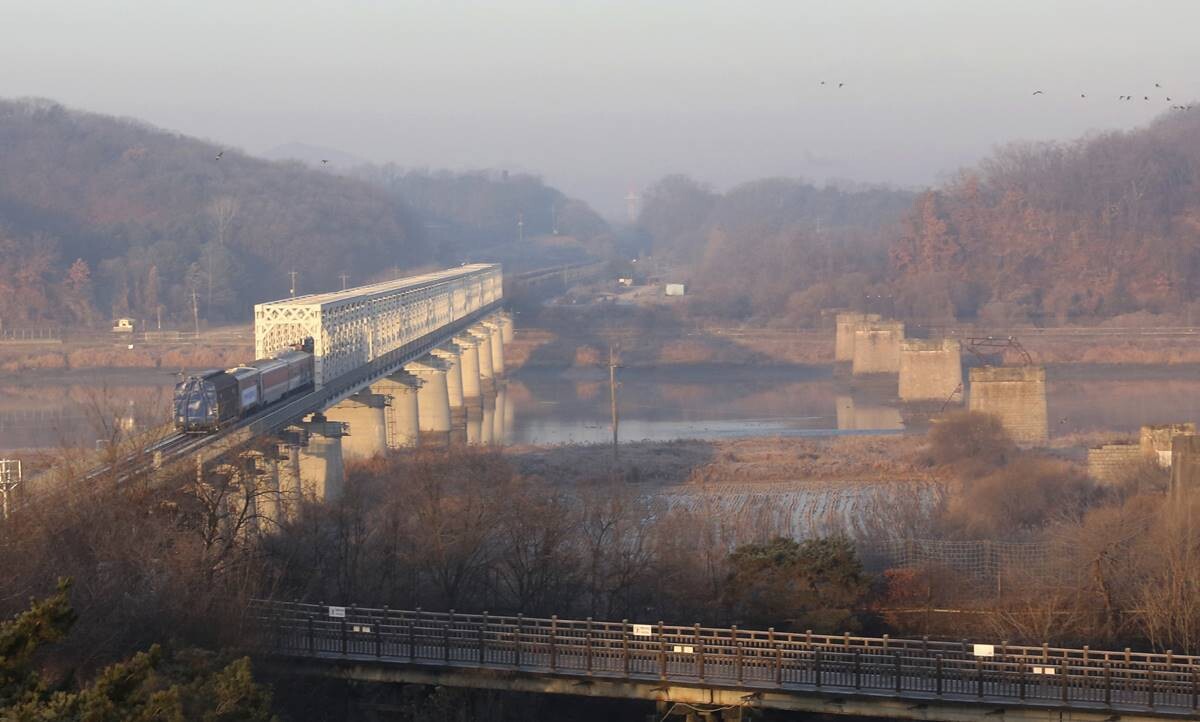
(847, 326)
(474, 422)
(501, 415)
(487, 374)
(1155, 440)
(930, 370)
(877, 348)
(400, 414)
(1017, 396)
(468, 345)
(1109, 463)
(433, 400)
(452, 357)
(365, 416)
(320, 469)
(507, 328)
(1185, 465)
(497, 340)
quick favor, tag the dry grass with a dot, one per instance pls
(112, 356)
(736, 461)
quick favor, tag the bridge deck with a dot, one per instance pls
(756, 665)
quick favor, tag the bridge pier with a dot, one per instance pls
(468, 347)
(507, 326)
(497, 339)
(487, 422)
(433, 400)
(499, 431)
(400, 415)
(487, 374)
(365, 415)
(320, 473)
(452, 357)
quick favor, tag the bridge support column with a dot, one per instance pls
(319, 471)
(433, 400)
(468, 345)
(452, 357)
(400, 416)
(364, 414)
(507, 327)
(487, 375)
(497, 340)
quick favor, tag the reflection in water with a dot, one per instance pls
(853, 416)
(547, 407)
(47, 414)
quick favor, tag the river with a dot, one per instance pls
(541, 406)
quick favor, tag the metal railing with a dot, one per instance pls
(923, 669)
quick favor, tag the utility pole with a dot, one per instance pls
(554, 218)
(342, 276)
(612, 394)
(520, 227)
(195, 313)
(10, 480)
(292, 273)
(159, 312)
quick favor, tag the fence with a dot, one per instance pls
(984, 560)
(875, 666)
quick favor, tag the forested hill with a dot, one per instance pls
(1047, 232)
(484, 215)
(777, 249)
(151, 215)
(1106, 225)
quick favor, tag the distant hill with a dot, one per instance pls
(153, 215)
(777, 249)
(313, 155)
(496, 216)
(1106, 225)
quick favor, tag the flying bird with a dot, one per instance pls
(324, 162)
(219, 154)
(822, 82)
(1145, 97)
(1083, 95)
(1157, 85)
(1038, 92)
(840, 84)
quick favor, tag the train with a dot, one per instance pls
(207, 402)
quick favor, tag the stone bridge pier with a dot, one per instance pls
(400, 415)
(468, 346)
(433, 400)
(365, 416)
(487, 374)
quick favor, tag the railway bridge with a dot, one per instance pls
(727, 673)
(394, 363)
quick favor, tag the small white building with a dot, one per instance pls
(674, 289)
(123, 325)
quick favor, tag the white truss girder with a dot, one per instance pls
(354, 327)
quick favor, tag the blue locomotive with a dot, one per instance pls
(211, 400)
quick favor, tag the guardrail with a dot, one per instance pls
(1163, 684)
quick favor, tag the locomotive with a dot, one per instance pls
(206, 402)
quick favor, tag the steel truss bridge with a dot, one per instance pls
(712, 668)
(360, 336)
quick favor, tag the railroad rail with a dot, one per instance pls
(759, 666)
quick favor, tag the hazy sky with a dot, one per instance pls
(596, 96)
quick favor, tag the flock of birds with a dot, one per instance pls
(1145, 98)
(1083, 95)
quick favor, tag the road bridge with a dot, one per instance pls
(731, 669)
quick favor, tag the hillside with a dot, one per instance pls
(777, 249)
(1105, 225)
(152, 215)
(496, 216)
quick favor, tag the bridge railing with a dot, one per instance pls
(904, 668)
